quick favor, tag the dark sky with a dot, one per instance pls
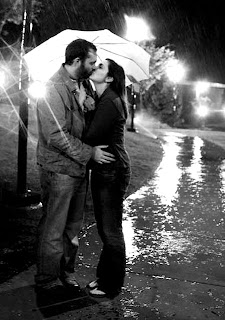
(196, 29)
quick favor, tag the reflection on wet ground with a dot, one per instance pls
(177, 218)
(175, 241)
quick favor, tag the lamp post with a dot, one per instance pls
(132, 110)
(23, 108)
(23, 195)
(136, 31)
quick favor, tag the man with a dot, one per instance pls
(62, 159)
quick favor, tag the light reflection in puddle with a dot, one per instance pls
(168, 174)
(222, 176)
(165, 219)
(195, 169)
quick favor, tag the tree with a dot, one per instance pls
(159, 95)
(11, 18)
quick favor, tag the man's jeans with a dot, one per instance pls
(63, 200)
(108, 190)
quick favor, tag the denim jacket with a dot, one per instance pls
(60, 126)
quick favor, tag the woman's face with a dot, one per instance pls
(101, 72)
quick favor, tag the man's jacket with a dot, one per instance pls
(60, 126)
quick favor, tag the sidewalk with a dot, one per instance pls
(145, 296)
(183, 289)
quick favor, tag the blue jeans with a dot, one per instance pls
(108, 191)
(63, 200)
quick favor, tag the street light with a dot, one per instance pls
(175, 70)
(202, 111)
(24, 196)
(137, 30)
(201, 87)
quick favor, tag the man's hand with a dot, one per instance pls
(102, 156)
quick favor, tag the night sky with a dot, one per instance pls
(196, 30)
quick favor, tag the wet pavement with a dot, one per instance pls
(174, 228)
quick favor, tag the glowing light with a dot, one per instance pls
(202, 111)
(37, 89)
(129, 235)
(2, 78)
(201, 87)
(175, 70)
(167, 181)
(137, 29)
(195, 169)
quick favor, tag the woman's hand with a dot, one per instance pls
(89, 103)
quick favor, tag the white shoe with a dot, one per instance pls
(97, 293)
(93, 284)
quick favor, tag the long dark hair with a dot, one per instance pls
(118, 83)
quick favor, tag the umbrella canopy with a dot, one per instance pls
(44, 60)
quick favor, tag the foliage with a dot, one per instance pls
(159, 95)
(160, 100)
(11, 11)
(159, 58)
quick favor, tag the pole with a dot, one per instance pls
(132, 111)
(23, 108)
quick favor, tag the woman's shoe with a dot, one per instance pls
(97, 293)
(93, 284)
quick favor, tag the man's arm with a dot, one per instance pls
(51, 113)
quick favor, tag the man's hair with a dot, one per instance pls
(78, 48)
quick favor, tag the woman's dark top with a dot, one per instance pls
(107, 128)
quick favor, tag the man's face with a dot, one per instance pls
(87, 66)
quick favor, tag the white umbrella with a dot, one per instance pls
(44, 60)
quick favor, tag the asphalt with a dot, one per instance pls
(144, 296)
(190, 290)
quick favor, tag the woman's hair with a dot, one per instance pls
(118, 83)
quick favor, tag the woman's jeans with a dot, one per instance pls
(108, 190)
(63, 200)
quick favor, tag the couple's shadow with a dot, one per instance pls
(63, 302)
(25, 303)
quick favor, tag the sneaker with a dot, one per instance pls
(97, 293)
(93, 284)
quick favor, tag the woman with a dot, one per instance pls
(109, 181)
